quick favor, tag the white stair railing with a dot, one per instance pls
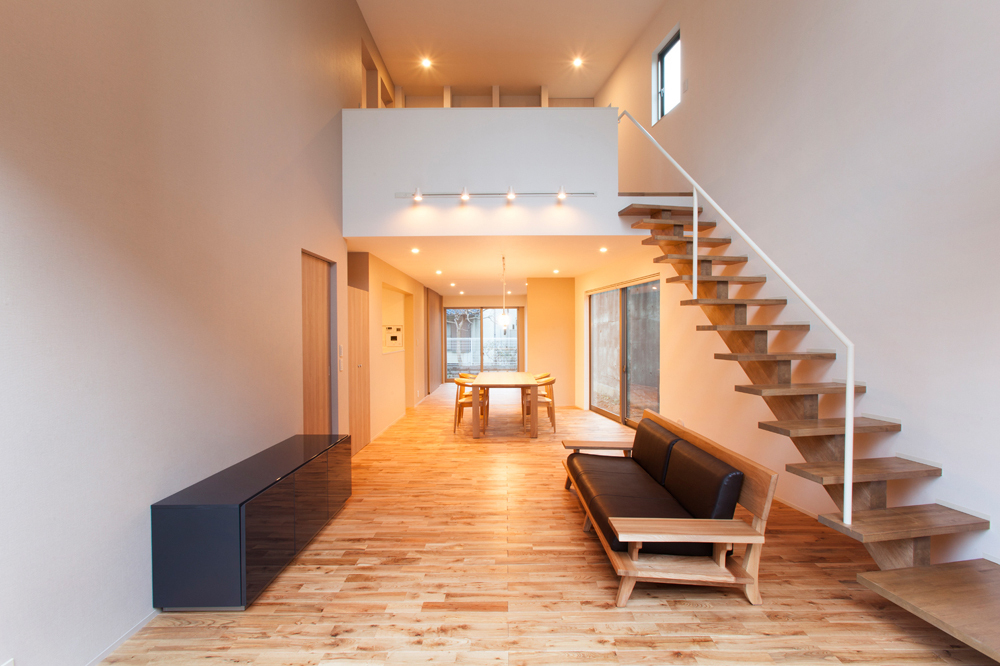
(849, 395)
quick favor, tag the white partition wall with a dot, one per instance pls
(390, 151)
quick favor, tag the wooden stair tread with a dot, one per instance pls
(959, 598)
(735, 279)
(689, 259)
(707, 241)
(645, 209)
(774, 390)
(779, 356)
(735, 301)
(820, 427)
(865, 469)
(904, 522)
(753, 327)
(667, 224)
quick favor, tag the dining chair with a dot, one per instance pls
(548, 400)
(526, 392)
(463, 401)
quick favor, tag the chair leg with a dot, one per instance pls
(624, 591)
(552, 415)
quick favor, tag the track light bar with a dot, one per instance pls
(465, 195)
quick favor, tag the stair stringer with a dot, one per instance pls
(866, 495)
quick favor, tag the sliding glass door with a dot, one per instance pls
(605, 354)
(476, 340)
(625, 352)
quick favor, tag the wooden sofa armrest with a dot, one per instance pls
(722, 533)
(578, 445)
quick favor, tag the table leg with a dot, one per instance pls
(475, 412)
(534, 411)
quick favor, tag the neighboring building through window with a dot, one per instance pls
(668, 76)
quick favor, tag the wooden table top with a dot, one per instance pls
(505, 380)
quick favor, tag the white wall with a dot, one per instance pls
(486, 150)
(857, 143)
(162, 165)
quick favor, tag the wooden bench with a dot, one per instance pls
(722, 568)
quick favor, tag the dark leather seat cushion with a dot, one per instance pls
(634, 484)
(704, 485)
(657, 505)
(651, 448)
(585, 463)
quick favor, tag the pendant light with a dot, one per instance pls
(504, 318)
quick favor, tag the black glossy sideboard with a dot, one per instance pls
(219, 543)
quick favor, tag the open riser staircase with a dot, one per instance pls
(961, 598)
(896, 537)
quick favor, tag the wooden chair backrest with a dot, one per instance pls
(759, 482)
(543, 375)
(548, 386)
(463, 388)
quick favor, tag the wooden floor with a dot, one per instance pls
(454, 550)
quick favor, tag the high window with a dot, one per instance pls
(668, 76)
(625, 352)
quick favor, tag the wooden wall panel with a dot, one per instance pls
(315, 346)
(359, 374)
(435, 341)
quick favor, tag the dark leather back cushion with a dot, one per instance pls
(704, 485)
(651, 448)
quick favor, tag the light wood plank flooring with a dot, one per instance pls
(454, 550)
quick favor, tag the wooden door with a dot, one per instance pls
(316, 375)
(357, 356)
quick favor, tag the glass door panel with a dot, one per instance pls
(462, 341)
(499, 344)
(642, 350)
(605, 352)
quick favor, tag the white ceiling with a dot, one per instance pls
(473, 263)
(520, 44)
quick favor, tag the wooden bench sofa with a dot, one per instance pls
(664, 513)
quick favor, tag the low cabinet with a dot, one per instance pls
(220, 542)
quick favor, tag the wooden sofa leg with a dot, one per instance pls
(752, 590)
(569, 483)
(586, 523)
(624, 591)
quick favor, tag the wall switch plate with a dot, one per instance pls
(340, 350)
(341, 365)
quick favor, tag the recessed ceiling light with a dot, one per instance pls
(508, 291)
(577, 62)
(556, 270)
(415, 250)
(462, 292)
(604, 249)
(438, 272)
(453, 284)
(426, 62)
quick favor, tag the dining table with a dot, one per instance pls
(517, 380)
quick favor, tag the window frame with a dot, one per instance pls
(672, 39)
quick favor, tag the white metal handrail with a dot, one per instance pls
(849, 396)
